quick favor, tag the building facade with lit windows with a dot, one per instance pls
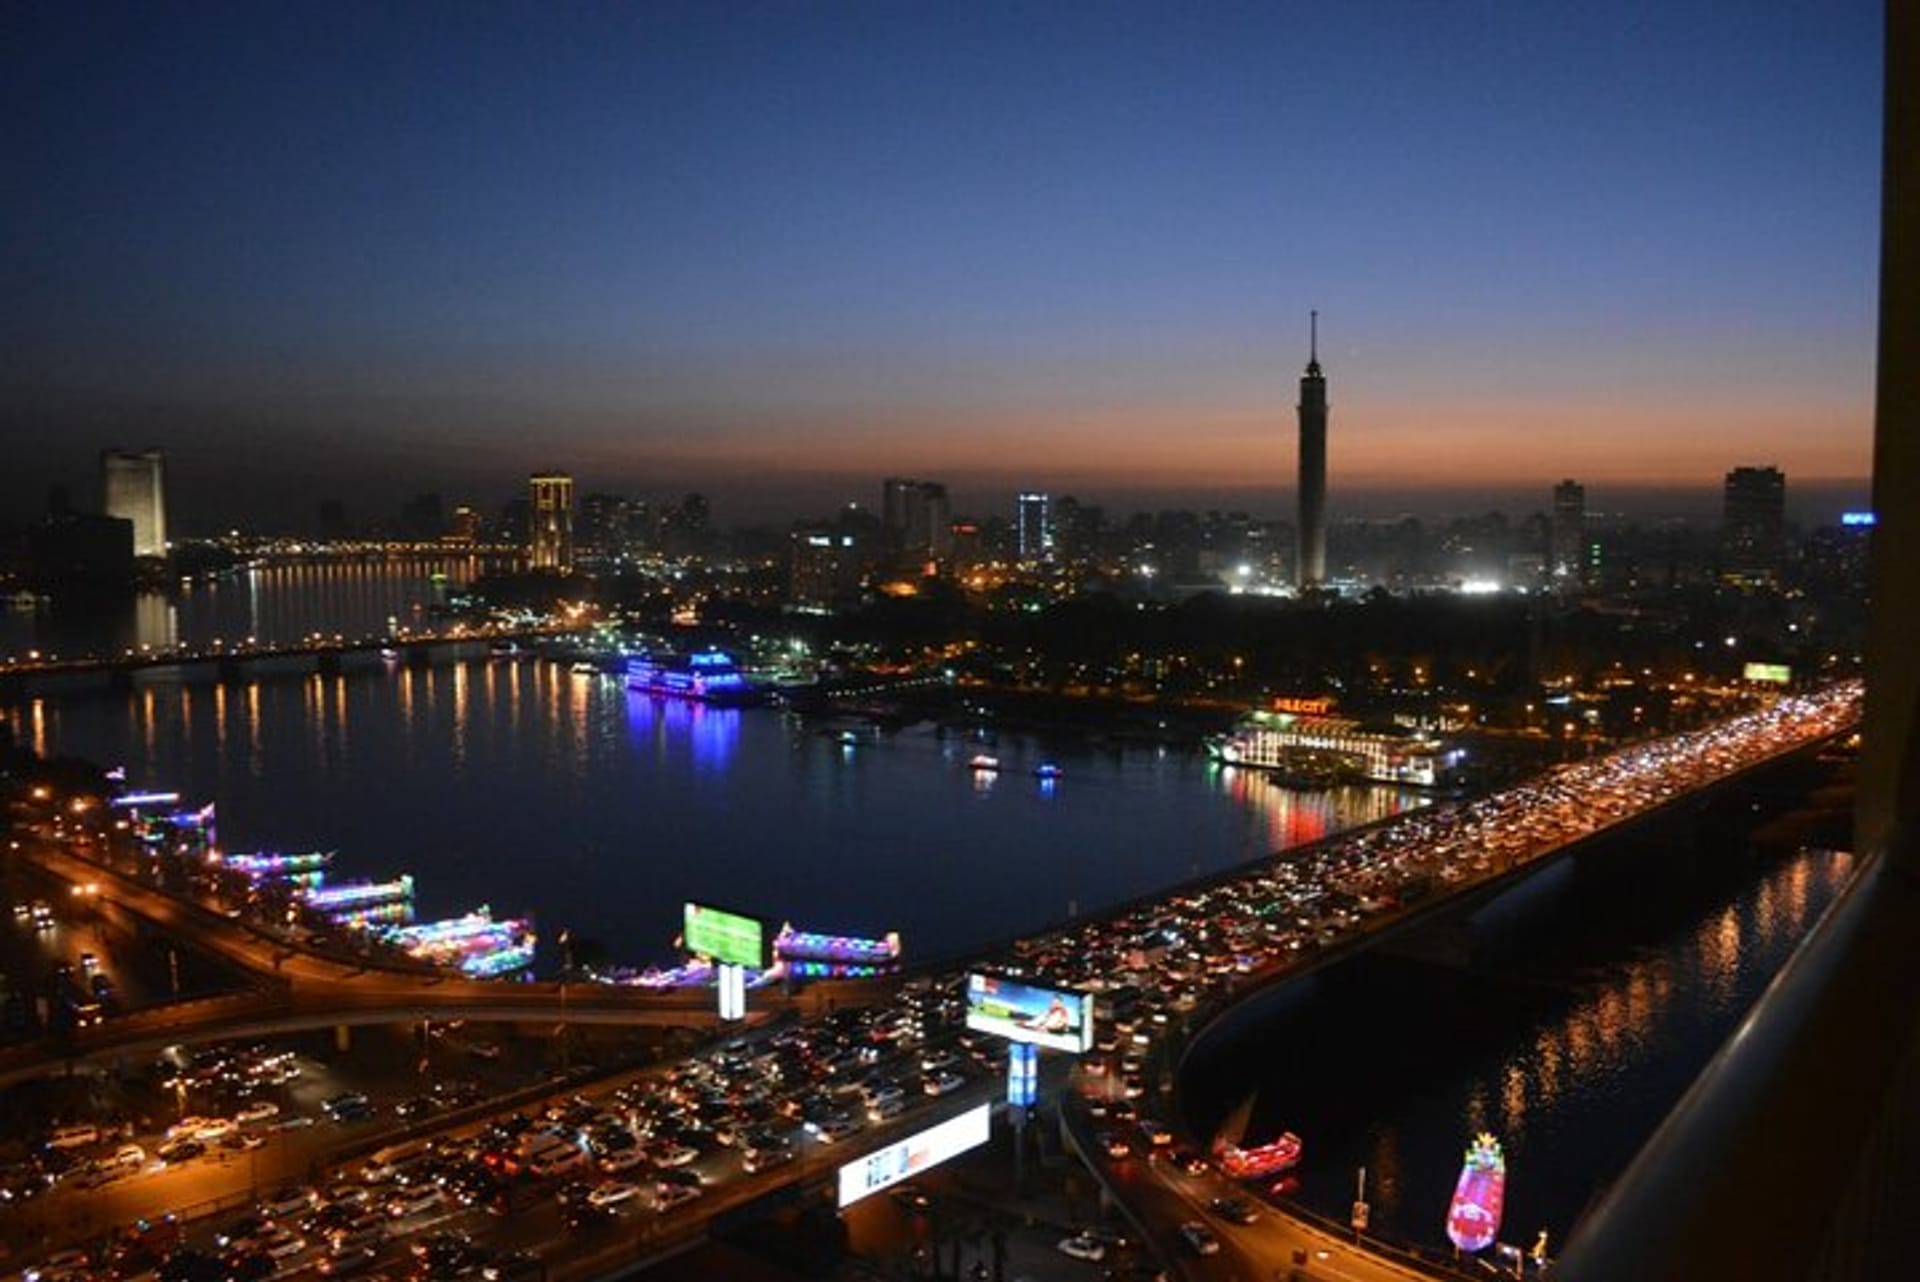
(1033, 527)
(550, 536)
(1753, 527)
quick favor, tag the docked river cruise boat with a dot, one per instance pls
(709, 676)
(1320, 749)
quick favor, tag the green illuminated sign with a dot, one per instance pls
(1777, 673)
(725, 937)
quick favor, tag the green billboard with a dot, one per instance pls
(724, 937)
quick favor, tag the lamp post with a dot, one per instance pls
(566, 971)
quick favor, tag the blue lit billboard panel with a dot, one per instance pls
(1023, 1074)
(1057, 1018)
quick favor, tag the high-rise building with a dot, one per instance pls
(465, 525)
(917, 519)
(1567, 536)
(551, 535)
(1753, 525)
(133, 488)
(1311, 571)
(1033, 528)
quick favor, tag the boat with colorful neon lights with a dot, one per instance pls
(1047, 770)
(475, 944)
(983, 763)
(1473, 1219)
(707, 676)
(1260, 1161)
(812, 954)
(303, 870)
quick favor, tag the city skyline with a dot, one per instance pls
(773, 256)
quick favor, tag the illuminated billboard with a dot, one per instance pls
(727, 938)
(1777, 673)
(885, 1167)
(1057, 1018)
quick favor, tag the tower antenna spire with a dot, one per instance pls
(1313, 337)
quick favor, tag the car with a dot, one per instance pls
(625, 1159)
(612, 1193)
(259, 1111)
(484, 1050)
(1199, 1238)
(1235, 1210)
(349, 1263)
(1115, 1145)
(581, 1215)
(415, 1107)
(243, 1141)
(667, 1196)
(244, 1234)
(73, 1137)
(214, 1129)
(89, 963)
(292, 1200)
(755, 1160)
(679, 1154)
(1189, 1161)
(1082, 1247)
(942, 1081)
(344, 1102)
(415, 1201)
(283, 1245)
(174, 1152)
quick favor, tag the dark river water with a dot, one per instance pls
(1592, 999)
(537, 790)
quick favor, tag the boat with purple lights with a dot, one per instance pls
(706, 676)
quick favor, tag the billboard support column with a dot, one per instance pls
(1023, 1088)
(733, 991)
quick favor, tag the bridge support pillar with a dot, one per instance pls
(342, 1038)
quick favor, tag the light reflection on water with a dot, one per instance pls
(1570, 1055)
(522, 784)
(277, 603)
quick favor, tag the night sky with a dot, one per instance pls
(779, 251)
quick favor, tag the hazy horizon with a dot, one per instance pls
(769, 250)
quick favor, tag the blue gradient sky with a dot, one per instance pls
(778, 251)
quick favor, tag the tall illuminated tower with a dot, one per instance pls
(133, 487)
(552, 532)
(1311, 571)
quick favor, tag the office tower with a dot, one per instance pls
(1567, 536)
(465, 525)
(824, 563)
(605, 524)
(1753, 526)
(917, 519)
(133, 488)
(1033, 528)
(1312, 569)
(551, 535)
